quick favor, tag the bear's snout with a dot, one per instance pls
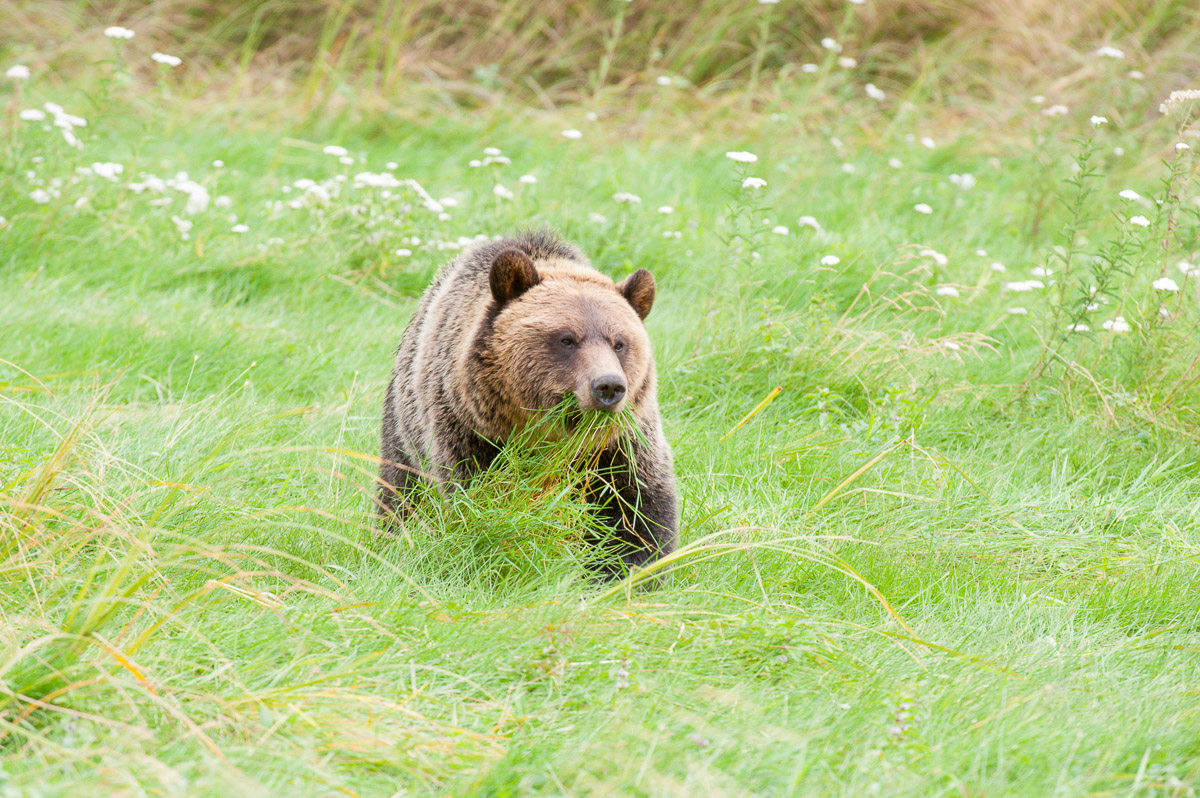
(608, 391)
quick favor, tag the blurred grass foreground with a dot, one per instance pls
(928, 341)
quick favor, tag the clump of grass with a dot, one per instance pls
(525, 520)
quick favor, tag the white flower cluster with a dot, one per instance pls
(1178, 99)
(62, 120)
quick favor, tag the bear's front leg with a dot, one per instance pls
(635, 497)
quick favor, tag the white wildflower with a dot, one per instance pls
(117, 32)
(218, 164)
(665, 80)
(938, 258)
(1022, 286)
(1117, 325)
(373, 180)
(741, 157)
(1129, 194)
(1178, 99)
(964, 181)
(1097, 121)
(1180, 147)
(928, 143)
(1165, 284)
(625, 196)
(223, 201)
(197, 196)
(1078, 328)
(874, 92)
(1039, 271)
(32, 115)
(809, 68)
(672, 234)
(849, 168)
(40, 196)
(895, 163)
(1056, 110)
(572, 133)
(846, 62)
(240, 228)
(921, 207)
(526, 179)
(1108, 51)
(491, 150)
(830, 44)
(1018, 311)
(1140, 221)
(597, 218)
(754, 182)
(17, 72)
(947, 290)
(346, 160)
(665, 209)
(779, 230)
(502, 192)
(335, 150)
(955, 346)
(830, 260)
(107, 170)
(1135, 74)
(169, 60)
(403, 253)
(809, 221)
(998, 267)
(183, 226)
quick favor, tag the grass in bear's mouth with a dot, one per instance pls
(956, 553)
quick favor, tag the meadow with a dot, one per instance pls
(928, 343)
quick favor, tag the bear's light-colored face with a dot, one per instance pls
(566, 333)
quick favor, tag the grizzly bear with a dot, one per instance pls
(508, 330)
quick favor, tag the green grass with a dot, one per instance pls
(918, 570)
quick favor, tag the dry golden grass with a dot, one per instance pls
(547, 53)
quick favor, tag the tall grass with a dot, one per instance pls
(547, 53)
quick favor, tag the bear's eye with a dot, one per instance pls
(567, 341)
(619, 346)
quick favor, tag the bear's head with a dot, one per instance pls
(563, 329)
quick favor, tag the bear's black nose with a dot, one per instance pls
(608, 390)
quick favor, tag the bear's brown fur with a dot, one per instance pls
(509, 329)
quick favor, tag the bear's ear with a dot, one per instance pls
(513, 273)
(638, 290)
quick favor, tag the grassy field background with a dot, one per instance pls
(954, 554)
